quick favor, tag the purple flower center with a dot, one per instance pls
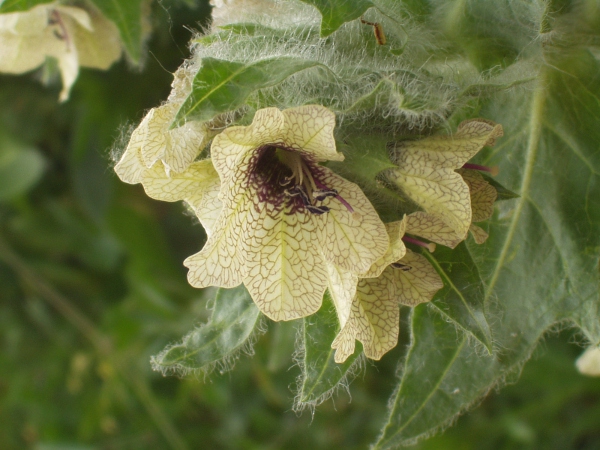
(290, 179)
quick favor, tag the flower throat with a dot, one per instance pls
(286, 176)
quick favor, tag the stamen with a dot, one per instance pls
(322, 194)
(291, 192)
(313, 186)
(285, 182)
(318, 210)
(429, 246)
(493, 171)
(298, 191)
(355, 215)
(401, 266)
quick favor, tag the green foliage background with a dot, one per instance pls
(91, 285)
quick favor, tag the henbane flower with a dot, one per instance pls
(154, 141)
(426, 171)
(482, 198)
(74, 36)
(368, 304)
(284, 215)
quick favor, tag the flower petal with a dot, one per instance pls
(426, 173)
(431, 228)
(342, 288)
(416, 283)
(396, 250)
(374, 320)
(233, 143)
(130, 167)
(483, 194)
(286, 271)
(184, 144)
(478, 233)
(154, 127)
(442, 194)
(352, 240)
(198, 185)
(309, 128)
(221, 260)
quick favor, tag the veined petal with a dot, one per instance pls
(426, 172)
(153, 127)
(442, 194)
(483, 194)
(416, 282)
(342, 288)
(374, 320)
(234, 142)
(184, 144)
(286, 271)
(431, 228)
(396, 249)
(198, 186)
(130, 167)
(222, 260)
(309, 128)
(352, 240)
(479, 234)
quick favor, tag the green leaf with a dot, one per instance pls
(128, 16)
(232, 322)
(366, 155)
(8, 6)
(335, 13)
(21, 166)
(386, 92)
(540, 263)
(425, 382)
(321, 375)
(461, 299)
(221, 86)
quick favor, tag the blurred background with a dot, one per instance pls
(92, 285)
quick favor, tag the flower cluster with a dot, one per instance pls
(288, 227)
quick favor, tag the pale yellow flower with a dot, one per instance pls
(74, 36)
(368, 304)
(482, 199)
(285, 216)
(198, 186)
(426, 171)
(154, 140)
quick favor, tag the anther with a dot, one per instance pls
(318, 210)
(303, 195)
(322, 194)
(403, 267)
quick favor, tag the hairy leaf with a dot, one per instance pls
(461, 299)
(540, 264)
(335, 13)
(233, 319)
(221, 86)
(320, 373)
